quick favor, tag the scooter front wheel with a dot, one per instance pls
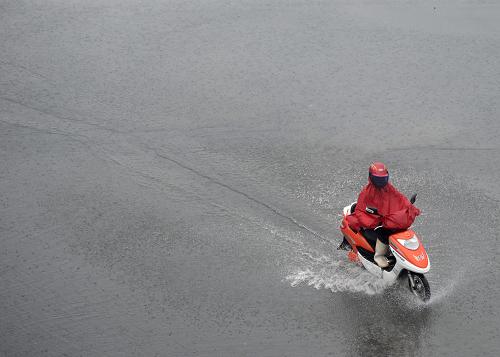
(419, 286)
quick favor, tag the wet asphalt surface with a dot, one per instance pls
(171, 175)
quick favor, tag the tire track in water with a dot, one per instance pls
(319, 272)
(246, 195)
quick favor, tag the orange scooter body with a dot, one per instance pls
(406, 254)
(355, 239)
(417, 257)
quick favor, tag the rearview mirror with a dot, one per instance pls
(413, 198)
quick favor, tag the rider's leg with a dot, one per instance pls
(381, 247)
(380, 252)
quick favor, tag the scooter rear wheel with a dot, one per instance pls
(420, 287)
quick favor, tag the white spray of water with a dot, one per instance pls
(445, 290)
(335, 274)
(338, 274)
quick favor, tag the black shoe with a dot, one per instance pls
(344, 245)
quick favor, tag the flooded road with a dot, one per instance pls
(172, 174)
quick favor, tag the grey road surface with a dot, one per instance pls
(171, 174)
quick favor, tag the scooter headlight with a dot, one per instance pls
(411, 243)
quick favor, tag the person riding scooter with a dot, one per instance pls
(381, 210)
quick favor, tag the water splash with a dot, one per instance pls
(335, 274)
(439, 292)
(446, 290)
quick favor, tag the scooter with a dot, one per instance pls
(406, 256)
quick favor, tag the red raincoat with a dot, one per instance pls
(396, 210)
